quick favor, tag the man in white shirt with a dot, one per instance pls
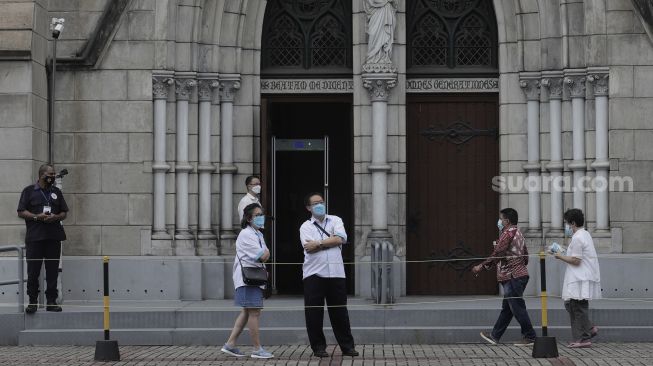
(322, 237)
(253, 184)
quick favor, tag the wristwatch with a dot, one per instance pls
(36, 218)
(320, 245)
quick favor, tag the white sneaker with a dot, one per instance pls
(261, 353)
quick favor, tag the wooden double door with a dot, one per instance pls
(452, 156)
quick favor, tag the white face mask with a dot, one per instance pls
(256, 189)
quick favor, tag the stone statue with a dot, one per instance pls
(381, 29)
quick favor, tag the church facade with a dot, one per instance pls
(418, 119)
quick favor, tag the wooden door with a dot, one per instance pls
(452, 156)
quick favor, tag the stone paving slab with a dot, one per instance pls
(459, 354)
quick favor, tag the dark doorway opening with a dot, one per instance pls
(298, 160)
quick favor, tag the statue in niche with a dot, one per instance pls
(381, 24)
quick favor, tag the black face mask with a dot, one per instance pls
(49, 180)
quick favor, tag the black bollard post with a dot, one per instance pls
(545, 346)
(106, 350)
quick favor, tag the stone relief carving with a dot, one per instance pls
(555, 87)
(381, 23)
(531, 88)
(205, 89)
(160, 87)
(183, 88)
(228, 89)
(600, 82)
(576, 86)
(379, 89)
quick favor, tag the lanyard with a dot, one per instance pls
(322, 230)
(258, 236)
(44, 196)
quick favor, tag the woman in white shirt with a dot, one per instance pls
(251, 251)
(582, 280)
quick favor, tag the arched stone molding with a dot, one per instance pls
(209, 47)
(187, 31)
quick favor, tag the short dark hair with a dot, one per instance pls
(307, 198)
(574, 216)
(43, 168)
(511, 215)
(250, 178)
(248, 212)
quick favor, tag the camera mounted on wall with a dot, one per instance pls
(56, 26)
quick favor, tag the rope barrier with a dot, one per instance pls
(302, 307)
(200, 260)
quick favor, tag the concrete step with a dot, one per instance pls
(297, 335)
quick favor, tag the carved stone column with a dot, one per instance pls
(207, 243)
(229, 84)
(553, 82)
(184, 239)
(575, 83)
(162, 243)
(599, 78)
(530, 83)
(379, 86)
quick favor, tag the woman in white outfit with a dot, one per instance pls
(582, 280)
(251, 251)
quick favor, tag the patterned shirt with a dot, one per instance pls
(510, 255)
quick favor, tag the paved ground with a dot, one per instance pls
(462, 354)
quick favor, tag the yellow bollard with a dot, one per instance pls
(106, 350)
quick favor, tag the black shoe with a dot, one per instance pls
(321, 353)
(52, 306)
(350, 353)
(31, 308)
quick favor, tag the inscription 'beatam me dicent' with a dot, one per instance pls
(290, 86)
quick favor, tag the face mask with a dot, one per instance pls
(259, 221)
(568, 230)
(319, 209)
(500, 225)
(256, 189)
(49, 180)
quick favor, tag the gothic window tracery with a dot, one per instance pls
(451, 35)
(306, 36)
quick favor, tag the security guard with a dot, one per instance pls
(43, 207)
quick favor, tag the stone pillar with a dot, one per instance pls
(184, 239)
(575, 83)
(229, 84)
(530, 83)
(553, 82)
(162, 243)
(207, 240)
(599, 78)
(379, 86)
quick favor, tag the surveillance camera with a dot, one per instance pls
(57, 30)
(57, 27)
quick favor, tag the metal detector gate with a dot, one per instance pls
(307, 162)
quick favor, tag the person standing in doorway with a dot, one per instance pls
(510, 256)
(582, 280)
(43, 207)
(322, 237)
(251, 251)
(253, 184)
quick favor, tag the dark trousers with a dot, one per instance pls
(580, 322)
(514, 306)
(334, 291)
(37, 251)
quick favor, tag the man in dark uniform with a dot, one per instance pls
(43, 207)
